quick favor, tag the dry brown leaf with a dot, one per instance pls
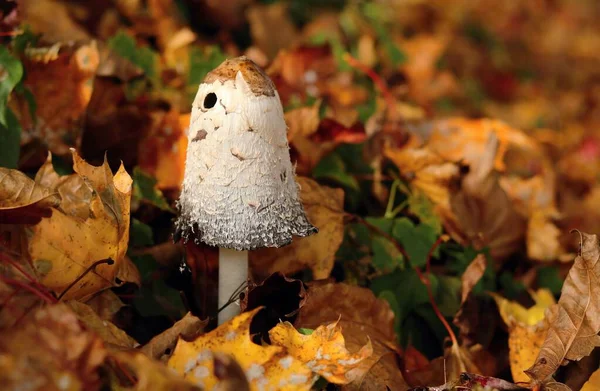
(575, 320)
(92, 224)
(50, 350)
(264, 20)
(106, 304)
(265, 366)
(150, 375)
(482, 214)
(187, 327)
(22, 200)
(110, 334)
(467, 319)
(362, 317)
(51, 19)
(472, 275)
(527, 330)
(62, 88)
(303, 121)
(324, 208)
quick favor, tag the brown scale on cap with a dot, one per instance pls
(257, 79)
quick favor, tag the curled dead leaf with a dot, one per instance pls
(22, 200)
(575, 320)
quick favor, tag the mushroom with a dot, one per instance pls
(239, 190)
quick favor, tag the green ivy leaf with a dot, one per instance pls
(11, 72)
(145, 58)
(333, 167)
(416, 240)
(144, 189)
(10, 141)
(140, 234)
(549, 277)
(386, 256)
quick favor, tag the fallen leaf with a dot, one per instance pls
(527, 328)
(22, 200)
(575, 320)
(593, 383)
(324, 208)
(231, 376)
(472, 275)
(61, 104)
(323, 351)
(482, 214)
(468, 318)
(162, 152)
(264, 366)
(110, 334)
(60, 354)
(264, 19)
(62, 247)
(362, 317)
(51, 19)
(150, 375)
(106, 304)
(187, 327)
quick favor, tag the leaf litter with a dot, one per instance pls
(443, 149)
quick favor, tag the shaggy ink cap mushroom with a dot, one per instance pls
(239, 189)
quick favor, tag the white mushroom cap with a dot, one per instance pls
(239, 189)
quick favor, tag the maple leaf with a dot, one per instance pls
(264, 366)
(527, 328)
(91, 224)
(575, 320)
(324, 207)
(323, 351)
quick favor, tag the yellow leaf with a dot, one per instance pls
(527, 330)
(106, 330)
(151, 375)
(91, 224)
(593, 382)
(266, 367)
(324, 351)
(324, 208)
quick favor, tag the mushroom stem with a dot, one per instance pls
(233, 272)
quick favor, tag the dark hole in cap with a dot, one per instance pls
(210, 100)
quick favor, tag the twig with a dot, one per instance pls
(425, 280)
(107, 261)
